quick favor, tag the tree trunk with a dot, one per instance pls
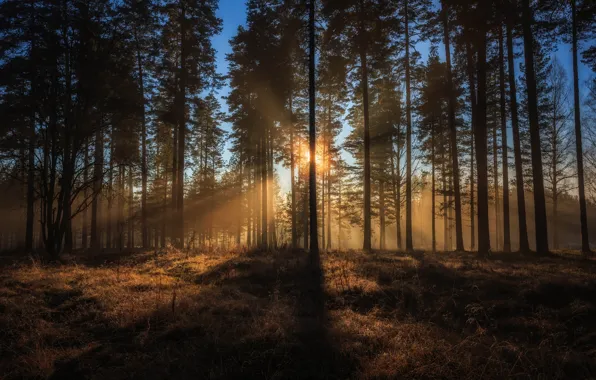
(496, 182)
(519, 174)
(409, 240)
(263, 164)
(504, 146)
(459, 240)
(578, 139)
(97, 184)
(473, 107)
(312, 135)
(179, 235)
(539, 202)
(364, 87)
(144, 226)
(382, 245)
(432, 187)
(293, 179)
(31, 187)
(85, 179)
(481, 150)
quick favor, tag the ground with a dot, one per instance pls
(279, 315)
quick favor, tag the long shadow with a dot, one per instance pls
(218, 335)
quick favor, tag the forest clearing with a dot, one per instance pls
(256, 315)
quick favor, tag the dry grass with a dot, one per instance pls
(258, 315)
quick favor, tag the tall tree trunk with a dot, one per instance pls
(31, 186)
(263, 167)
(444, 190)
(539, 202)
(382, 244)
(120, 213)
(292, 178)
(312, 135)
(519, 174)
(97, 184)
(339, 229)
(555, 178)
(481, 149)
(396, 200)
(329, 189)
(473, 107)
(179, 236)
(364, 87)
(504, 147)
(432, 187)
(85, 195)
(110, 218)
(459, 240)
(130, 210)
(496, 182)
(144, 226)
(578, 139)
(398, 179)
(409, 240)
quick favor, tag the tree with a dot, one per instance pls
(537, 177)
(312, 134)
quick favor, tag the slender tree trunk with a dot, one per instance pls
(496, 183)
(179, 235)
(144, 226)
(409, 240)
(444, 190)
(364, 87)
(110, 219)
(339, 229)
(459, 240)
(312, 135)
(578, 139)
(473, 107)
(538, 182)
(130, 210)
(481, 150)
(85, 194)
(519, 174)
(329, 191)
(97, 184)
(554, 189)
(382, 244)
(398, 193)
(292, 178)
(432, 189)
(504, 147)
(31, 186)
(263, 164)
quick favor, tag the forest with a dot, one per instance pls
(339, 189)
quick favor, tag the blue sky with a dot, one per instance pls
(233, 14)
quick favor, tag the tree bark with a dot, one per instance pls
(459, 240)
(480, 137)
(578, 139)
(409, 239)
(538, 182)
(519, 174)
(504, 146)
(312, 135)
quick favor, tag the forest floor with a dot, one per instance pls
(256, 315)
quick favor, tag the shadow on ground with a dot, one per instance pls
(257, 316)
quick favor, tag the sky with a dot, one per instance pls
(233, 14)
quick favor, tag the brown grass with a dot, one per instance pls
(270, 315)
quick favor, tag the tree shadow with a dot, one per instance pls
(258, 315)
